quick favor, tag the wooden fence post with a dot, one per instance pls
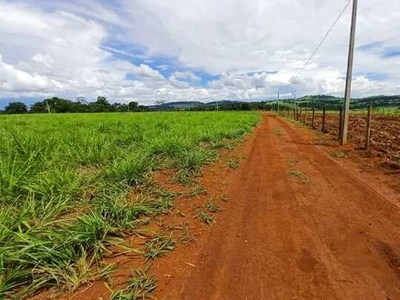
(323, 119)
(340, 121)
(300, 114)
(305, 116)
(368, 133)
(312, 118)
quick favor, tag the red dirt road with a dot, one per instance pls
(315, 233)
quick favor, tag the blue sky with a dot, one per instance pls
(149, 50)
(391, 52)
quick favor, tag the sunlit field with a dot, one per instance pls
(65, 181)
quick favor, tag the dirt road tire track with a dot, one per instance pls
(321, 235)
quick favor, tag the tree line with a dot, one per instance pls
(59, 105)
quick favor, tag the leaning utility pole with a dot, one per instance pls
(48, 107)
(347, 95)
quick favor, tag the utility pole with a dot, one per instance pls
(278, 101)
(347, 95)
(48, 107)
(294, 100)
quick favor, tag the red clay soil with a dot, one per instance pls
(385, 132)
(317, 232)
(300, 225)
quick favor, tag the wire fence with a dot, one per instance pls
(375, 129)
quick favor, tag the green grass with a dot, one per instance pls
(158, 246)
(65, 183)
(338, 154)
(278, 132)
(206, 217)
(293, 162)
(212, 207)
(233, 164)
(299, 175)
(187, 237)
(206, 213)
(195, 192)
(139, 286)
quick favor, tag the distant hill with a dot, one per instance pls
(335, 102)
(317, 101)
(187, 105)
(223, 102)
(176, 105)
(380, 100)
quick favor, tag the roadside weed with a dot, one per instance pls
(299, 175)
(278, 132)
(225, 198)
(158, 246)
(233, 164)
(204, 216)
(293, 162)
(212, 207)
(338, 154)
(187, 237)
(199, 190)
(139, 286)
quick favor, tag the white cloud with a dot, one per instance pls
(12, 79)
(144, 71)
(46, 59)
(186, 75)
(240, 37)
(253, 48)
(178, 84)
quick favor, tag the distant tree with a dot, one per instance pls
(143, 108)
(102, 100)
(16, 108)
(81, 100)
(38, 107)
(101, 105)
(118, 107)
(133, 106)
(59, 105)
(245, 106)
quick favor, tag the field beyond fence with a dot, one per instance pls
(384, 135)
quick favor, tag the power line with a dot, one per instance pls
(323, 40)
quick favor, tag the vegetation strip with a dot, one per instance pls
(66, 185)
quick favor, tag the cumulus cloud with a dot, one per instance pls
(178, 84)
(12, 79)
(147, 50)
(144, 71)
(186, 75)
(46, 59)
